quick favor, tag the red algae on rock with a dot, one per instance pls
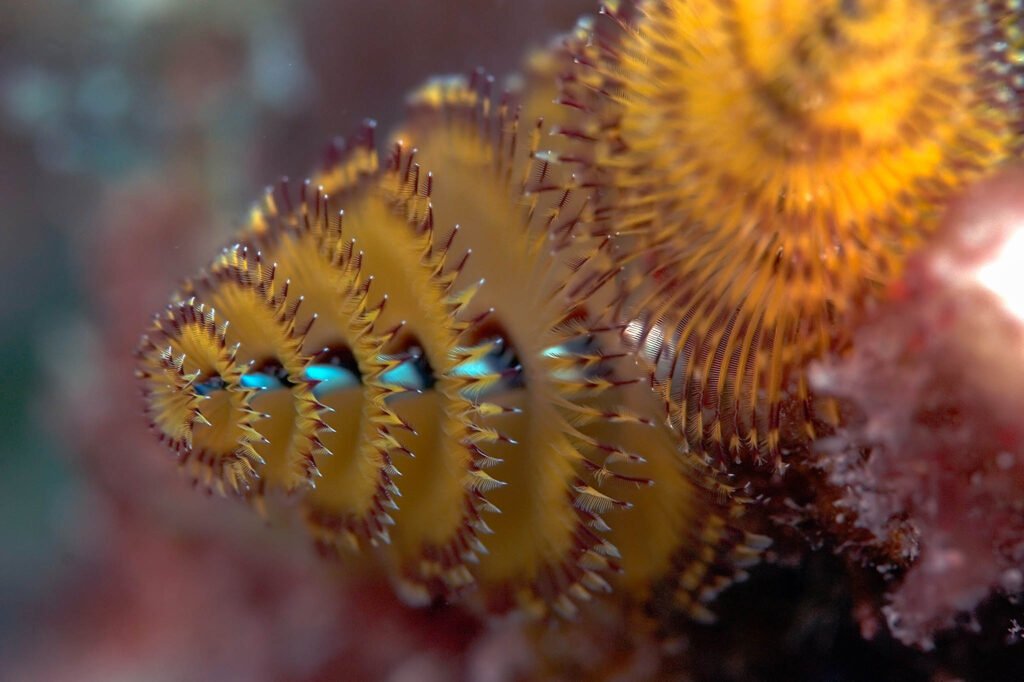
(933, 448)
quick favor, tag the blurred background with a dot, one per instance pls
(133, 136)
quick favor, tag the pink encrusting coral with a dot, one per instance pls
(931, 461)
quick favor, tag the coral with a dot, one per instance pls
(933, 471)
(768, 166)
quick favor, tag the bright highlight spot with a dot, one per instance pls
(1004, 274)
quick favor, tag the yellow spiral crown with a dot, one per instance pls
(417, 345)
(767, 166)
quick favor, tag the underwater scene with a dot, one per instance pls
(512, 340)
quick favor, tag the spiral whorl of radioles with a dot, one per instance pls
(767, 167)
(410, 347)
